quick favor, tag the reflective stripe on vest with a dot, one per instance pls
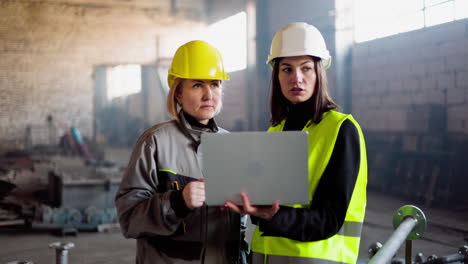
(343, 247)
(351, 229)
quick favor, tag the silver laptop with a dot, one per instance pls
(269, 167)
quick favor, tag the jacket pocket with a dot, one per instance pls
(170, 180)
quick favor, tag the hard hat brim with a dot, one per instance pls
(326, 62)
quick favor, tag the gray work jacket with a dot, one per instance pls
(151, 209)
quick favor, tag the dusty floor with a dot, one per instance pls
(445, 233)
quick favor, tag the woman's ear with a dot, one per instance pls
(178, 91)
(178, 97)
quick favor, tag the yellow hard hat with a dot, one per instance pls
(197, 60)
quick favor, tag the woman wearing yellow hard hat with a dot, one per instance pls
(160, 201)
(328, 229)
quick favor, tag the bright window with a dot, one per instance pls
(440, 13)
(229, 36)
(380, 18)
(123, 80)
(461, 9)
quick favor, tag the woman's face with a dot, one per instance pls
(200, 98)
(297, 78)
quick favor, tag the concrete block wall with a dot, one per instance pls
(395, 79)
(410, 95)
(48, 52)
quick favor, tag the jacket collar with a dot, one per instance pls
(194, 133)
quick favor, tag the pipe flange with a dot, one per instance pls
(415, 213)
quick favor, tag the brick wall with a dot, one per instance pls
(48, 52)
(410, 95)
(396, 79)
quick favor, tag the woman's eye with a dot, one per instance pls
(215, 85)
(306, 69)
(197, 85)
(286, 70)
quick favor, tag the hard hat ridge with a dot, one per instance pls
(197, 60)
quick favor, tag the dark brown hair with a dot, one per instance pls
(320, 101)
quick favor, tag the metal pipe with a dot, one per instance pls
(61, 251)
(391, 246)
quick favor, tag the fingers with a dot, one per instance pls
(233, 207)
(248, 208)
(275, 207)
(194, 194)
(194, 197)
(245, 201)
(265, 212)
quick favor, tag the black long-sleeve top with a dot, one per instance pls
(330, 202)
(5, 188)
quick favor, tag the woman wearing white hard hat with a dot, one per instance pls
(328, 229)
(160, 201)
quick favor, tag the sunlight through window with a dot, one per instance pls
(461, 9)
(123, 80)
(230, 37)
(380, 18)
(440, 13)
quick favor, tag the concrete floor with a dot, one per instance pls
(444, 235)
(445, 232)
(90, 247)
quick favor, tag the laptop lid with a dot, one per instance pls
(269, 167)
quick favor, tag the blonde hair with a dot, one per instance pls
(172, 104)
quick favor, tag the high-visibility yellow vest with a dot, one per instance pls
(342, 247)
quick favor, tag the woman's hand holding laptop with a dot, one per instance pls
(265, 212)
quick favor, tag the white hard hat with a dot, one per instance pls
(297, 39)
